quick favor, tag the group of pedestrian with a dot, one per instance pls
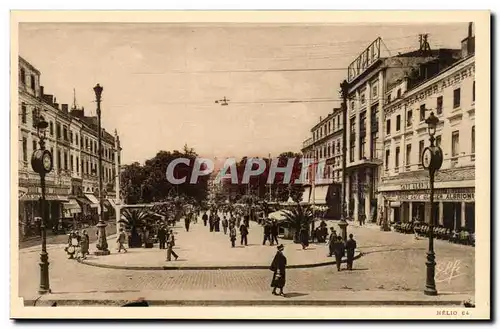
(166, 240)
(340, 248)
(271, 231)
(78, 245)
(230, 225)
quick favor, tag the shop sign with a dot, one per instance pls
(451, 195)
(415, 186)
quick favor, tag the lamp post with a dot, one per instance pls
(344, 88)
(102, 243)
(41, 162)
(432, 159)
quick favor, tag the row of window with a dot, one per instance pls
(328, 150)
(327, 128)
(22, 78)
(66, 134)
(455, 147)
(62, 161)
(423, 110)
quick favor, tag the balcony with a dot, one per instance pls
(454, 162)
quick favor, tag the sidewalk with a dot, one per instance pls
(200, 249)
(251, 298)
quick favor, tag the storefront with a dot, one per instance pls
(29, 208)
(454, 208)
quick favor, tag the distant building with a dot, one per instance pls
(450, 94)
(72, 186)
(325, 145)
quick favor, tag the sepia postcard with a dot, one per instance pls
(250, 165)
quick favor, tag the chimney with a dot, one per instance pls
(41, 92)
(64, 107)
(49, 99)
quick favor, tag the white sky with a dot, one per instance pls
(157, 98)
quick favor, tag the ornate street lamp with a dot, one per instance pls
(41, 162)
(102, 243)
(432, 159)
(344, 88)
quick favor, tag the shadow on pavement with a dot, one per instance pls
(390, 250)
(294, 294)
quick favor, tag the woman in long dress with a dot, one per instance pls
(278, 266)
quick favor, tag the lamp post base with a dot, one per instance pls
(343, 226)
(102, 245)
(430, 285)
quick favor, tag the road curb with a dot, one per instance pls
(209, 268)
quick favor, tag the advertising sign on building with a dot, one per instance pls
(366, 59)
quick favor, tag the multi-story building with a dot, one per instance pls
(71, 137)
(325, 146)
(370, 77)
(450, 94)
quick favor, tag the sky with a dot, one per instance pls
(161, 81)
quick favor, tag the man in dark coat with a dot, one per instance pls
(162, 237)
(350, 246)
(205, 218)
(278, 266)
(274, 232)
(331, 241)
(304, 237)
(338, 251)
(217, 223)
(211, 221)
(187, 222)
(267, 233)
(244, 234)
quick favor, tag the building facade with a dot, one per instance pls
(71, 137)
(325, 146)
(404, 185)
(370, 77)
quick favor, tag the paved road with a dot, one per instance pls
(392, 262)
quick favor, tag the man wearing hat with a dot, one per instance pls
(278, 266)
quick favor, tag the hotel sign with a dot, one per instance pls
(366, 59)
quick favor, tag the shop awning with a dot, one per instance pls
(93, 200)
(395, 204)
(319, 193)
(71, 207)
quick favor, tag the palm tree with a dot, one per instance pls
(134, 219)
(297, 218)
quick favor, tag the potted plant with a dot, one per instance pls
(134, 220)
(296, 218)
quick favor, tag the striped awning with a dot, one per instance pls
(92, 199)
(71, 207)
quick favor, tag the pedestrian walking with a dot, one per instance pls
(170, 246)
(238, 221)
(331, 241)
(274, 232)
(211, 222)
(278, 266)
(304, 237)
(187, 222)
(205, 218)
(267, 233)
(338, 251)
(217, 223)
(244, 234)
(162, 237)
(84, 244)
(225, 224)
(350, 247)
(121, 240)
(232, 235)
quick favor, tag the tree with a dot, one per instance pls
(148, 183)
(134, 220)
